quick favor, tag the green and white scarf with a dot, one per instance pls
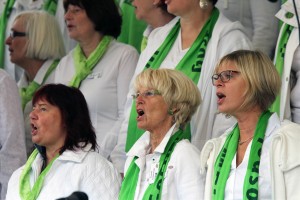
(190, 64)
(27, 93)
(280, 54)
(154, 190)
(26, 193)
(84, 66)
(226, 155)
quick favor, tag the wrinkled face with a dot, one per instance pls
(143, 8)
(47, 125)
(79, 26)
(230, 93)
(17, 42)
(152, 112)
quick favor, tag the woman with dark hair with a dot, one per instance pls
(99, 66)
(65, 151)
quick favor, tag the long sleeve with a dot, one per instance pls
(12, 137)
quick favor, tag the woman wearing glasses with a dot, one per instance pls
(36, 48)
(192, 43)
(162, 164)
(256, 158)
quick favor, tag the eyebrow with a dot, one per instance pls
(41, 104)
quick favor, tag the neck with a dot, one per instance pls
(51, 153)
(247, 122)
(90, 43)
(192, 24)
(160, 18)
(156, 136)
(31, 67)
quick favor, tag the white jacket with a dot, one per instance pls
(82, 170)
(293, 43)
(284, 161)
(182, 179)
(12, 137)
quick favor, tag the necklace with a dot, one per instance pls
(242, 142)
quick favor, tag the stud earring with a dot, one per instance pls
(203, 4)
(170, 112)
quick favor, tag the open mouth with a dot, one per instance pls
(33, 129)
(140, 113)
(221, 97)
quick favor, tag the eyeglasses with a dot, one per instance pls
(14, 34)
(225, 76)
(148, 93)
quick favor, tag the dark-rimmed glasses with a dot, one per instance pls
(14, 34)
(148, 93)
(224, 76)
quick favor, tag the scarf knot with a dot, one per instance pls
(84, 66)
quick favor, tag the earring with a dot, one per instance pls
(170, 112)
(203, 4)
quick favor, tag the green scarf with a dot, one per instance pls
(3, 23)
(280, 54)
(26, 193)
(224, 159)
(28, 92)
(190, 64)
(84, 66)
(154, 190)
(132, 29)
(50, 6)
(144, 43)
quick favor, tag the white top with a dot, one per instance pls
(226, 37)
(23, 82)
(290, 84)
(182, 171)
(12, 137)
(258, 17)
(235, 181)
(83, 170)
(105, 90)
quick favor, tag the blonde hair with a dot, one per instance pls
(45, 39)
(262, 79)
(178, 91)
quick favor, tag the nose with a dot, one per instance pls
(218, 83)
(8, 40)
(139, 99)
(33, 115)
(67, 15)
